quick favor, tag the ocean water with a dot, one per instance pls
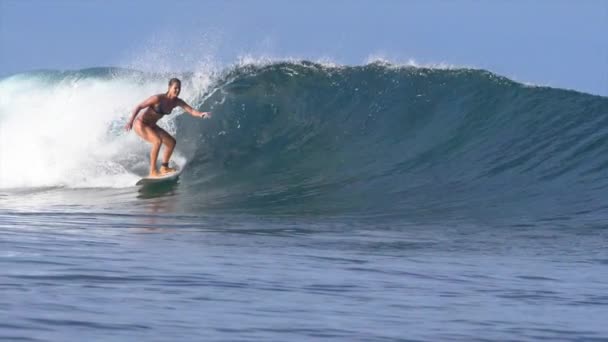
(321, 202)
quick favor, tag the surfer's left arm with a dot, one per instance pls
(192, 111)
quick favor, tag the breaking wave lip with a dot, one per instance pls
(299, 135)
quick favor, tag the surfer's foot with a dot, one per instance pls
(165, 169)
(154, 173)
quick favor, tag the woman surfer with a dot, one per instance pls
(145, 125)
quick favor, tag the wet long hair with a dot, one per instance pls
(173, 81)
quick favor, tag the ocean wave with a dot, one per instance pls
(298, 135)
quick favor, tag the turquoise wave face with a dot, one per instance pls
(376, 139)
(381, 138)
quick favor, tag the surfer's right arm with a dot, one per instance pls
(152, 100)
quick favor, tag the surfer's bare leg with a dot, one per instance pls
(169, 143)
(150, 135)
(154, 157)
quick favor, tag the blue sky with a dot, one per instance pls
(553, 42)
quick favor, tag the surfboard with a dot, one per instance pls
(161, 179)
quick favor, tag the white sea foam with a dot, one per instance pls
(70, 132)
(410, 62)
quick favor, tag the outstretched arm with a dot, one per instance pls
(192, 111)
(152, 100)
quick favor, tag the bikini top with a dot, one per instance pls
(158, 110)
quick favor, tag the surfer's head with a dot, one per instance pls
(175, 86)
